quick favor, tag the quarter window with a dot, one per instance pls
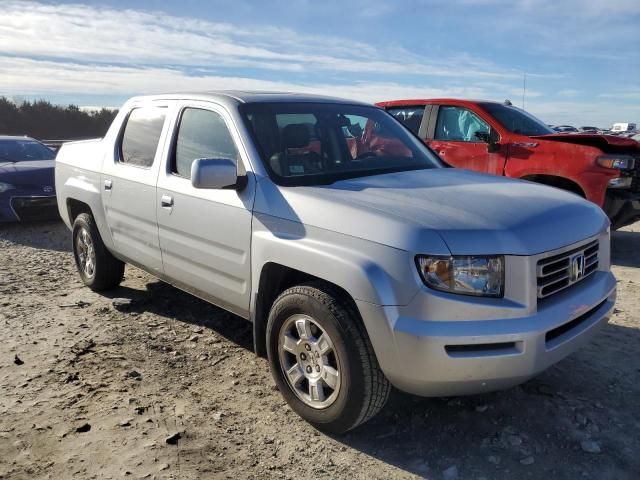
(202, 134)
(411, 117)
(141, 136)
(459, 124)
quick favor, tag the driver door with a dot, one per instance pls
(455, 140)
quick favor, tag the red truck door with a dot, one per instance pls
(454, 134)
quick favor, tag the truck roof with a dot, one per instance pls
(426, 101)
(248, 96)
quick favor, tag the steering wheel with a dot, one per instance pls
(365, 155)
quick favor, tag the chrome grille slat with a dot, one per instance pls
(554, 272)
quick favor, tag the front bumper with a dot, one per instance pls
(460, 357)
(24, 207)
(622, 207)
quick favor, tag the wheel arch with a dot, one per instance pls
(275, 278)
(76, 207)
(557, 182)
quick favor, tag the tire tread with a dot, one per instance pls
(377, 387)
(110, 272)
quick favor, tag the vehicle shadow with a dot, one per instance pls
(167, 301)
(484, 435)
(625, 248)
(589, 394)
(48, 235)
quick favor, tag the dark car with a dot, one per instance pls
(565, 129)
(27, 186)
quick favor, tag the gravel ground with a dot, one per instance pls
(150, 382)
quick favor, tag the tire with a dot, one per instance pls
(361, 389)
(104, 271)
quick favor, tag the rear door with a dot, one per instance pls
(129, 177)
(454, 137)
(205, 234)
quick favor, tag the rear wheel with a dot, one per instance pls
(322, 360)
(99, 270)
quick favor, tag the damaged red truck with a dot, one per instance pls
(501, 139)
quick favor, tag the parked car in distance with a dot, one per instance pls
(360, 260)
(501, 139)
(27, 186)
(565, 129)
(588, 130)
(618, 128)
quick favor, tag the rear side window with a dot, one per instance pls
(141, 136)
(411, 117)
(202, 134)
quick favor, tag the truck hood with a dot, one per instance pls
(473, 213)
(603, 142)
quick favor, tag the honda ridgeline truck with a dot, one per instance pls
(501, 139)
(360, 260)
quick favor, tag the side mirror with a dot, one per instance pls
(214, 173)
(491, 139)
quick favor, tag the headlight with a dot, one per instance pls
(5, 186)
(479, 276)
(621, 182)
(619, 162)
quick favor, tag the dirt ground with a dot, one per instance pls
(92, 387)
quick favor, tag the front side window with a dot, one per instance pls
(202, 134)
(410, 117)
(314, 143)
(459, 124)
(141, 136)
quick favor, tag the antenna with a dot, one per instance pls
(524, 88)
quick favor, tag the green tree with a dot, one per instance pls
(42, 120)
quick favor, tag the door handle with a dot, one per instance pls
(108, 184)
(166, 201)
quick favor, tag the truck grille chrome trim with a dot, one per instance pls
(561, 271)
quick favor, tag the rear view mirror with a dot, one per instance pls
(490, 138)
(214, 173)
(483, 136)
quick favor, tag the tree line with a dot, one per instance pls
(42, 120)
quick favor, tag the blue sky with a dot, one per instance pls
(581, 57)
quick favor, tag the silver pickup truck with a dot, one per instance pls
(361, 261)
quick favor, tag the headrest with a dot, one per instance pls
(296, 135)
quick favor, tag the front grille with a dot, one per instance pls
(560, 271)
(29, 209)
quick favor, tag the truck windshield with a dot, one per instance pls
(516, 120)
(24, 150)
(320, 143)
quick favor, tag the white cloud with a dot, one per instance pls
(568, 92)
(30, 77)
(104, 35)
(98, 52)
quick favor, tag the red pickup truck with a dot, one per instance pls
(501, 139)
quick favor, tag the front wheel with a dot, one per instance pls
(322, 360)
(99, 270)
